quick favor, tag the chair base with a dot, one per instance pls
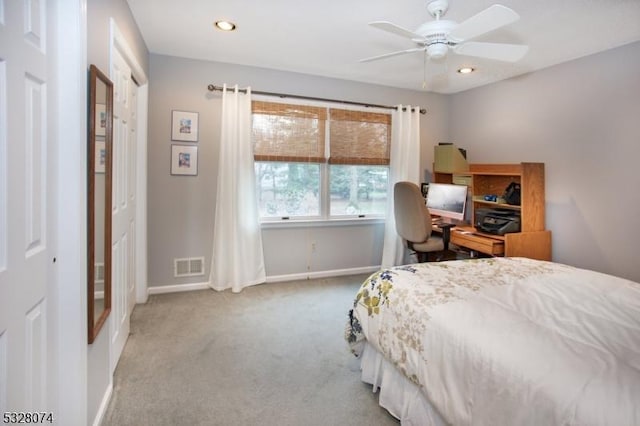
(431, 256)
(440, 256)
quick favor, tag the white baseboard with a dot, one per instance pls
(322, 274)
(104, 404)
(176, 288)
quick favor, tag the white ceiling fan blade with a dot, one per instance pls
(394, 29)
(494, 17)
(388, 55)
(498, 51)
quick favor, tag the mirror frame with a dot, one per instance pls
(95, 324)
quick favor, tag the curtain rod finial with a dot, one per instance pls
(211, 87)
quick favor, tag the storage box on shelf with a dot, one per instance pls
(448, 158)
(533, 241)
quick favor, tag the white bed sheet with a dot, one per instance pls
(511, 341)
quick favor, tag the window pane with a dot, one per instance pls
(357, 190)
(288, 189)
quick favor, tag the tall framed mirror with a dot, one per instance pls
(100, 152)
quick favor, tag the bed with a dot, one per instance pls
(500, 341)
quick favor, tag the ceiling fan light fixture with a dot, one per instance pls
(437, 50)
(466, 70)
(225, 25)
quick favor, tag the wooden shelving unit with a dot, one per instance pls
(534, 241)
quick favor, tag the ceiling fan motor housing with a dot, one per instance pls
(435, 36)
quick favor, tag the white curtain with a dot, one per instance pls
(237, 259)
(405, 166)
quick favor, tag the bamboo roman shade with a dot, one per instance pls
(289, 133)
(359, 138)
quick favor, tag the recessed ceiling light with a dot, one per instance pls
(466, 70)
(225, 25)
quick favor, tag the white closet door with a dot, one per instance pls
(123, 203)
(27, 203)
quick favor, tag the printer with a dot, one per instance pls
(497, 221)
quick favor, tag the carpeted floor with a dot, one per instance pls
(273, 354)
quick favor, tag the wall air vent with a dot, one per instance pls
(188, 267)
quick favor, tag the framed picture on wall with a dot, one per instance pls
(184, 160)
(184, 126)
(101, 157)
(101, 119)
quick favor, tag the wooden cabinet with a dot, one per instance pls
(534, 241)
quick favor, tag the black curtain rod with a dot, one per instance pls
(212, 88)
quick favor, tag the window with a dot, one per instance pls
(359, 162)
(315, 162)
(289, 149)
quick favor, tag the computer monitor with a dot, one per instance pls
(447, 200)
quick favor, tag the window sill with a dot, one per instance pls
(312, 223)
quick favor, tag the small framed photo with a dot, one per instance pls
(101, 119)
(184, 160)
(101, 157)
(184, 126)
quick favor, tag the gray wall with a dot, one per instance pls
(181, 208)
(99, 14)
(582, 119)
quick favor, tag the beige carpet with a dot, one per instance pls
(272, 355)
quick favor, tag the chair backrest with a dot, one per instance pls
(413, 221)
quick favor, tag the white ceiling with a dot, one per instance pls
(329, 37)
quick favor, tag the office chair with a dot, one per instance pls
(413, 221)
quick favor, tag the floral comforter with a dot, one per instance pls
(508, 341)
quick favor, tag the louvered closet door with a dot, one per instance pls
(26, 205)
(123, 204)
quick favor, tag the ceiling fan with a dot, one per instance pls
(437, 37)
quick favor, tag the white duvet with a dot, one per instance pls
(508, 341)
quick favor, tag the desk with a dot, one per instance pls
(533, 241)
(468, 237)
(534, 244)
